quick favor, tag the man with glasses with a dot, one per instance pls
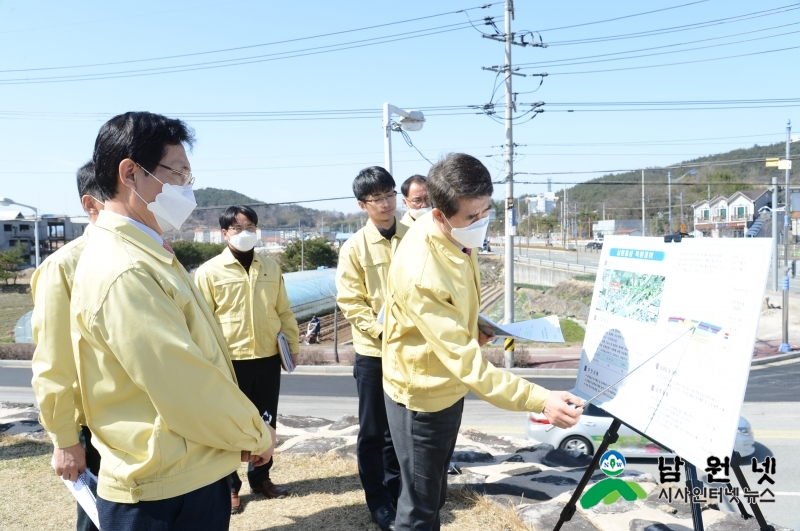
(158, 389)
(360, 284)
(415, 199)
(245, 291)
(432, 355)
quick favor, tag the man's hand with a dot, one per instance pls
(247, 457)
(70, 462)
(294, 359)
(264, 458)
(563, 409)
(483, 338)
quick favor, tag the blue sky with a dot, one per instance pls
(47, 130)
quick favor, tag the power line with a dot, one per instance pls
(623, 17)
(542, 64)
(675, 64)
(279, 203)
(222, 63)
(667, 52)
(685, 27)
(238, 48)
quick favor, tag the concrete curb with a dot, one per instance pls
(345, 370)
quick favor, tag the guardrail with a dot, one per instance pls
(583, 268)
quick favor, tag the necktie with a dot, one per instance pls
(467, 252)
(167, 246)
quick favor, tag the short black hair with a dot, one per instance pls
(87, 184)
(372, 181)
(418, 179)
(457, 176)
(140, 136)
(228, 217)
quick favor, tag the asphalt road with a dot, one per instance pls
(766, 384)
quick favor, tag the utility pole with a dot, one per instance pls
(644, 233)
(786, 200)
(775, 259)
(669, 193)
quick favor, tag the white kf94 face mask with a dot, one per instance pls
(172, 206)
(473, 235)
(244, 241)
(417, 212)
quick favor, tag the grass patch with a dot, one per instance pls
(12, 307)
(326, 495)
(585, 278)
(535, 287)
(572, 331)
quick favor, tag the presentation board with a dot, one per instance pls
(681, 319)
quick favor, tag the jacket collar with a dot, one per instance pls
(131, 233)
(440, 241)
(228, 258)
(373, 235)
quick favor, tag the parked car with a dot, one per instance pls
(594, 245)
(486, 246)
(588, 433)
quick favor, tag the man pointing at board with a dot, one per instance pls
(431, 342)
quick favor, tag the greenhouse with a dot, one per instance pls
(311, 292)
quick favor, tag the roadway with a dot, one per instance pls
(770, 404)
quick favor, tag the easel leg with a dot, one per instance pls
(737, 470)
(691, 483)
(569, 509)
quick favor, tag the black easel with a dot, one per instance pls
(692, 482)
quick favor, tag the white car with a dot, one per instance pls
(587, 434)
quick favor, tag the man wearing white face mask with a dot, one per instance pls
(415, 199)
(158, 389)
(432, 344)
(246, 293)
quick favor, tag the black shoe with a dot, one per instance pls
(384, 517)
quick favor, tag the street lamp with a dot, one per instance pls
(4, 201)
(409, 121)
(669, 193)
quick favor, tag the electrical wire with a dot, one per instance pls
(279, 203)
(408, 141)
(555, 62)
(623, 17)
(236, 62)
(673, 166)
(238, 48)
(664, 53)
(685, 27)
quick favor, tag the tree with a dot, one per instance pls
(317, 253)
(193, 254)
(10, 263)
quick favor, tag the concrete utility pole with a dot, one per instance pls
(775, 259)
(787, 199)
(644, 233)
(509, 167)
(669, 194)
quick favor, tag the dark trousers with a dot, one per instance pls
(207, 508)
(260, 381)
(92, 463)
(377, 461)
(424, 444)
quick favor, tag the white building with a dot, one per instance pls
(730, 216)
(612, 227)
(541, 204)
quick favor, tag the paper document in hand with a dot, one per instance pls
(286, 354)
(84, 491)
(546, 329)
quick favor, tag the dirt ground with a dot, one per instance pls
(325, 491)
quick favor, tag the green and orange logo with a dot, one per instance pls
(611, 489)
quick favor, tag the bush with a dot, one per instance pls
(310, 253)
(193, 254)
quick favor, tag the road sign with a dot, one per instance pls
(772, 163)
(785, 164)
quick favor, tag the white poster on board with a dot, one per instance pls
(694, 306)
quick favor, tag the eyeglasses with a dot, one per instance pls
(419, 201)
(187, 177)
(236, 229)
(388, 198)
